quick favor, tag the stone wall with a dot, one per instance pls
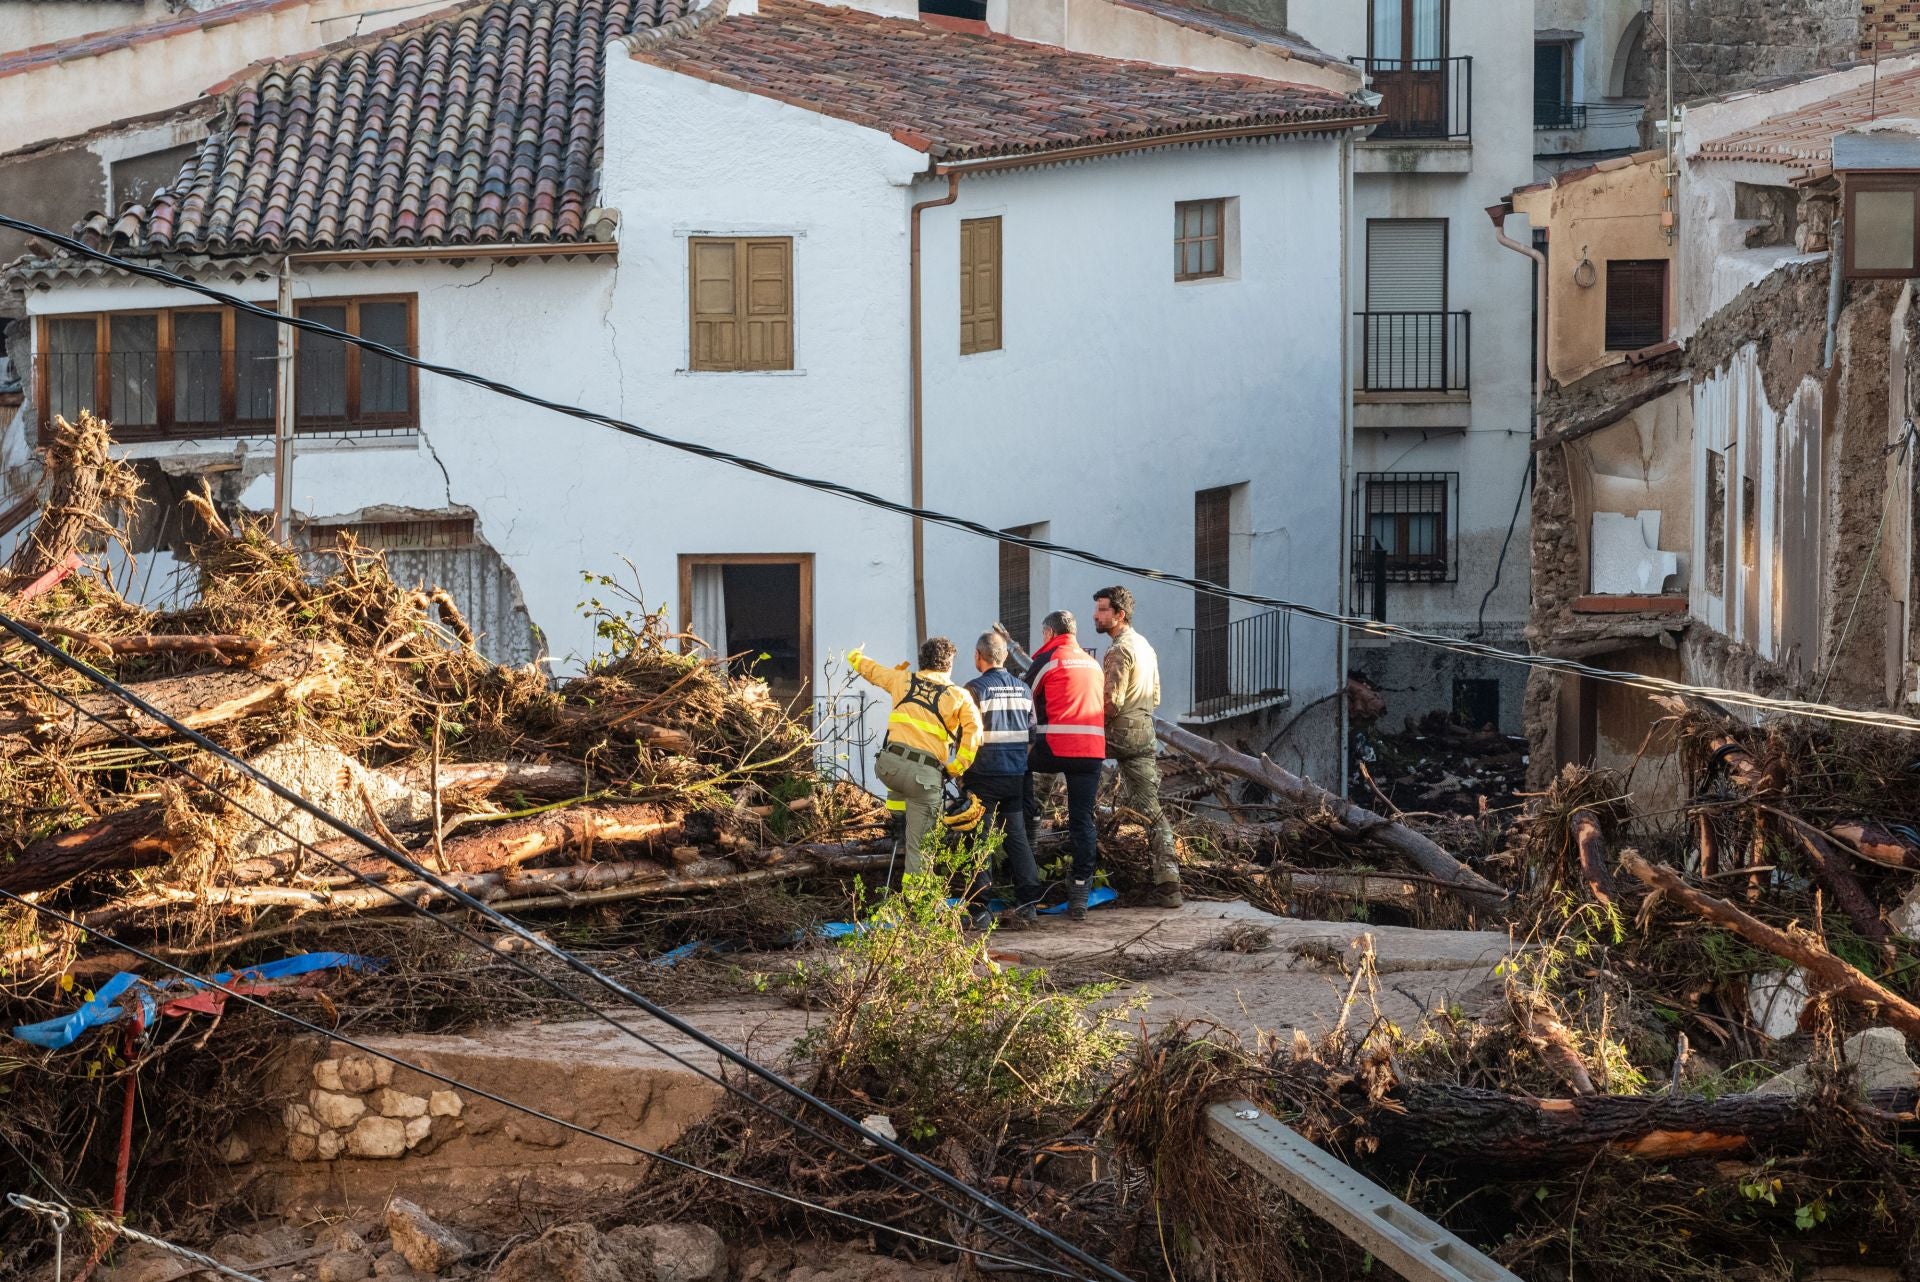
(1725, 45)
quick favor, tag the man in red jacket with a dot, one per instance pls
(1069, 738)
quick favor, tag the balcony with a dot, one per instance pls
(185, 394)
(1548, 114)
(1424, 99)
(1240, 668)
(1414, 353)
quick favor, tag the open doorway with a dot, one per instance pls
(756, 610)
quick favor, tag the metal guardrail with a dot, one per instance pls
(1415, 351)
(1241, 667)
(1428, 99)
(1387, 1228)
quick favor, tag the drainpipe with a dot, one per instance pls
(283, 415)
(1498, 214)
(917, 450)
(1343, 646)
(1836, 286)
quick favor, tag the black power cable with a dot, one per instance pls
(1458, 645)
(421, 873)
(641, 1150)
(420, 909)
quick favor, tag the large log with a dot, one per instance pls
(1592, 846)
(1826, 972)
(1833, 874)
(1871, 841)
(1399, 838)
(1469, 1124)
(554, 780)
(131, 838)
(199, 700)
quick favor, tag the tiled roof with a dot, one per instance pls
(33, 56)
(1230, 26)
(961, 96)
(1803, 138)
(482, 127)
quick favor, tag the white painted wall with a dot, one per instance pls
(26, 23)
(1602, 35)
(58, 100)
(1484, 438)
(1120, 392)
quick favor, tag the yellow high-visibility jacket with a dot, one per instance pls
(938, 719)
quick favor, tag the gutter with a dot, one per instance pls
(1088, 151)
(456, 253)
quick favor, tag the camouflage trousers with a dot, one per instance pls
(1140, 793)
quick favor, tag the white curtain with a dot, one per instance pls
(708, 610)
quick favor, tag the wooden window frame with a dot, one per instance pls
(973, 346)
(228, 424)
(1666, 303)
(742, 246)
(1406, 32)
(1181, 240)
(1902, 180)
(1405, 567)
(804, 560)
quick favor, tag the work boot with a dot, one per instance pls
(1077, 892)
(1166, 894)
(1026, 917)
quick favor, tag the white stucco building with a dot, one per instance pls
(1131, 319)
(1440, 343)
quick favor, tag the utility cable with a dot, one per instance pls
(539, 942)
(1866, 566)
(527, 1109)
(1370, 627)
(548, 981)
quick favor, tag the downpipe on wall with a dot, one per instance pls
(1836, 286)
(917, 436)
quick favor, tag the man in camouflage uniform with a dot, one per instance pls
(1133, 692)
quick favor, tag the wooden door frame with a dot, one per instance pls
(1406, 29)
(803, 560)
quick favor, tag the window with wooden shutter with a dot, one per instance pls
(1016, 586)
(740, 303)
(979, 285)
(1636, 303)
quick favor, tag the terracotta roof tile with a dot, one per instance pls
(963, 96)
(478, 127)
(90, 46)
(1803, 138)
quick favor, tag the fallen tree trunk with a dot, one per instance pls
(1833, 874)
(553, 780)
(1592, 846)
(131, 838)
(1871, 841)
(1827, 972)
(199, 700)
(1469, 1124)
(217, 644)
(1399, 838)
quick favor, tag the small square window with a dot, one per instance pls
(1881, 232)
(1199, 239)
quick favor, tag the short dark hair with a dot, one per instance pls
(1060, 623)
(936, 653)
(1120, 599)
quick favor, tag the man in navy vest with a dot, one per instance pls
(998, 775)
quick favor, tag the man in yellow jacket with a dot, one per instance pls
(934, 728)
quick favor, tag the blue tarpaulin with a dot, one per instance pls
(105, 1007)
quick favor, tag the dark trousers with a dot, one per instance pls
(1005, 799)
(1083, 791)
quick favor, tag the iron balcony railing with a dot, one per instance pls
(1427, 99)
(1548, 114)
(191, 394)
(1242, 666)
(1415, 351)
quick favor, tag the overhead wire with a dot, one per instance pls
(480, 1092)
(420, 909)
(544, 945)
(1370, 627)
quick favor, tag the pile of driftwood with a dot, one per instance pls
(654, 772)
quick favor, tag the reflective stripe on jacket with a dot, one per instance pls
(1006, 712)
(1069, 701)
(930, 713)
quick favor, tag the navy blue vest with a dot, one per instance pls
(1006, 713)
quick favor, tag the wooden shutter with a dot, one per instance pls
(1636, 303)
(713, 300)
(767, 303)
(740, 303)
(979, 285)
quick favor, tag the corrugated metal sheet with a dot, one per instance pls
(479, 581)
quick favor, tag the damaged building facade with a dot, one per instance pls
(694, 243)
(1726, 471)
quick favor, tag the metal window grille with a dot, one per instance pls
(1403, 527)
(1636, 303)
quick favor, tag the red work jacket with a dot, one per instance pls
(1069, 701)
